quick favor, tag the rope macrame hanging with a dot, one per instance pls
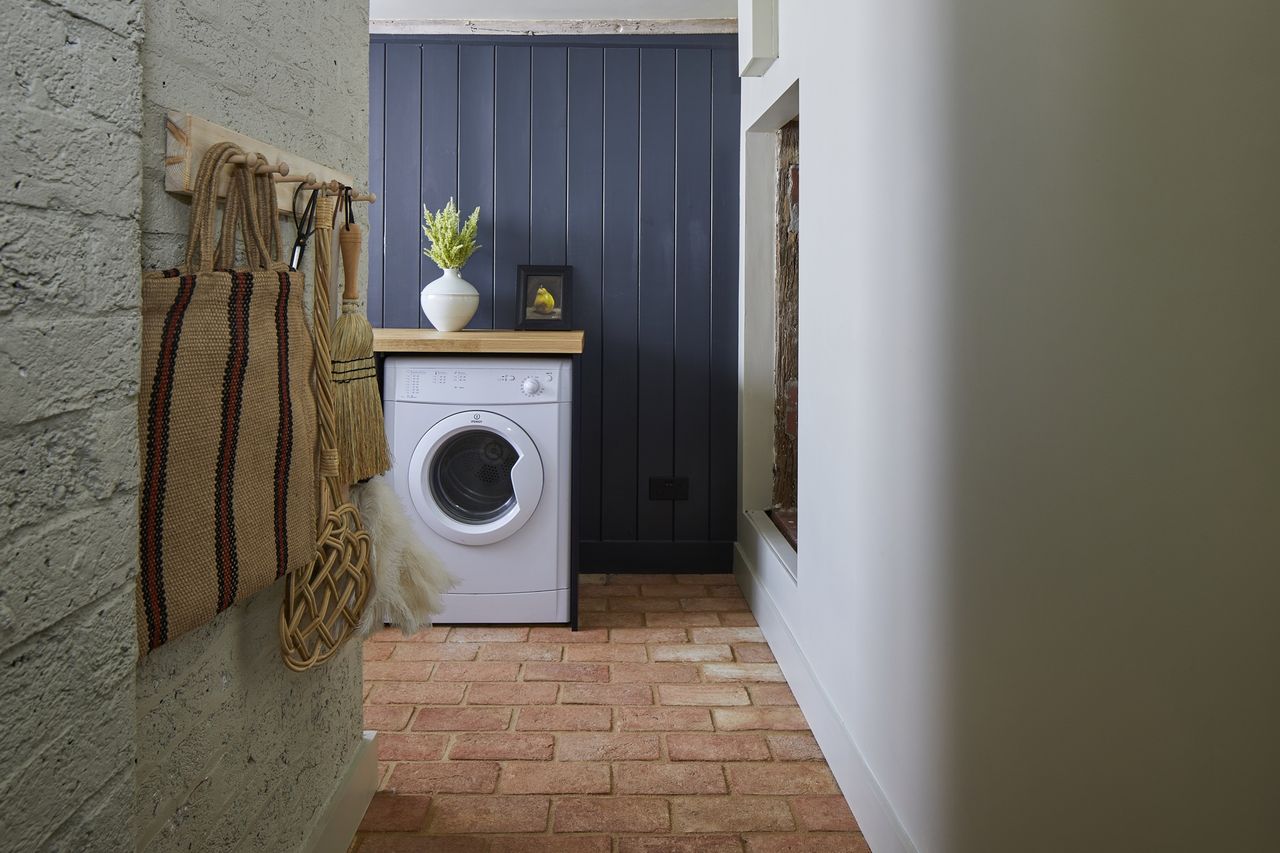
(323, 604)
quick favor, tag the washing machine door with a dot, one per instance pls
(475, 477)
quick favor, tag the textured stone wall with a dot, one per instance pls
(69, 201)
(235, 751)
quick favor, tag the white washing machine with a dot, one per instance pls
(481, 458)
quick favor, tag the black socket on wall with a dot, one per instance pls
(668, 488)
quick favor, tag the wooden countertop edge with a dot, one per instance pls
(497, 341)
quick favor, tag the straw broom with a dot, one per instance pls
(362, 439)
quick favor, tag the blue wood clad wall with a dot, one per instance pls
(617, 155)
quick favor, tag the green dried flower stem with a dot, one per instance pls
(451, 246)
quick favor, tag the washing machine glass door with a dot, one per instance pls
(475, 477)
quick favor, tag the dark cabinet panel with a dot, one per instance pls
(617, 155)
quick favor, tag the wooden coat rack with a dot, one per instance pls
(188, 136)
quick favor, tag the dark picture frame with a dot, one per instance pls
(537, 312)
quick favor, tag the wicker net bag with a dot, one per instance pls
(324, 602)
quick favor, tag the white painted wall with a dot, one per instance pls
(1040, 418)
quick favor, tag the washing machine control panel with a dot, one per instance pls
(439, 381)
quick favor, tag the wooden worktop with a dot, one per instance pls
(478, 341)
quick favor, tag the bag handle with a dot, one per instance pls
(201, 244)
(243, 214)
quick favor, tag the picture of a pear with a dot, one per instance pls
(543, 301)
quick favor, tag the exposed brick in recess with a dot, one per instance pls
(390, 812)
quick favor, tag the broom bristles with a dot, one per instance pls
(362, 439)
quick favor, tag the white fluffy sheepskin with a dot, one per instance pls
(408, 578)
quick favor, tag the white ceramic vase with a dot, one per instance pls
(450, 301)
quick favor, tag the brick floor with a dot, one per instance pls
(664, 726)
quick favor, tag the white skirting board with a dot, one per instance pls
(336, 828)
(879, 823)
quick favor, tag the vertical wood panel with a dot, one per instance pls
(511, 177)
(547, 159)
(377, 76)
(584, 241)
(402, 229)
(658, 217)
(552, 140)
(693, 289)
(723, 426)
(439, 144)
(475, 166)
(621, 260)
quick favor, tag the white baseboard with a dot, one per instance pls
(336, 828)
(879, 823)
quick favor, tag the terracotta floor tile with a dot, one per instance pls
(537, 671)
(564, 635)
(554, 777)
(781, 779)
(691, 652)
(808, 843)
(552, 844)
(824, 814)
(702, 694)
(795, 747)
(606, 652)
(521, 651)
(731, 814)
(565, 718)
(682, 746)
(681, 619)
(410, 746)
(414, 693)
(488, 634)
(606, 694)
(648, 635)
(611, 814)
(511, 693)
(576, 746)
(476, 671)
(389, 812)
(461, 719)
(680, 844)
(771, 694)
(664, 719)
(434, 777)
(653, 673)
(433, 651)
(664, 726)
(502, 813)
(641, 777)
(747, 719)
(507, 746)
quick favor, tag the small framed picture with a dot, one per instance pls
(544, 296)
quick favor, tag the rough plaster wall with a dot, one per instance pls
(236, 752)
(69, 200)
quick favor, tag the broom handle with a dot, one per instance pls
(349, 238)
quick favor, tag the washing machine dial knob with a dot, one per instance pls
(530, 386)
